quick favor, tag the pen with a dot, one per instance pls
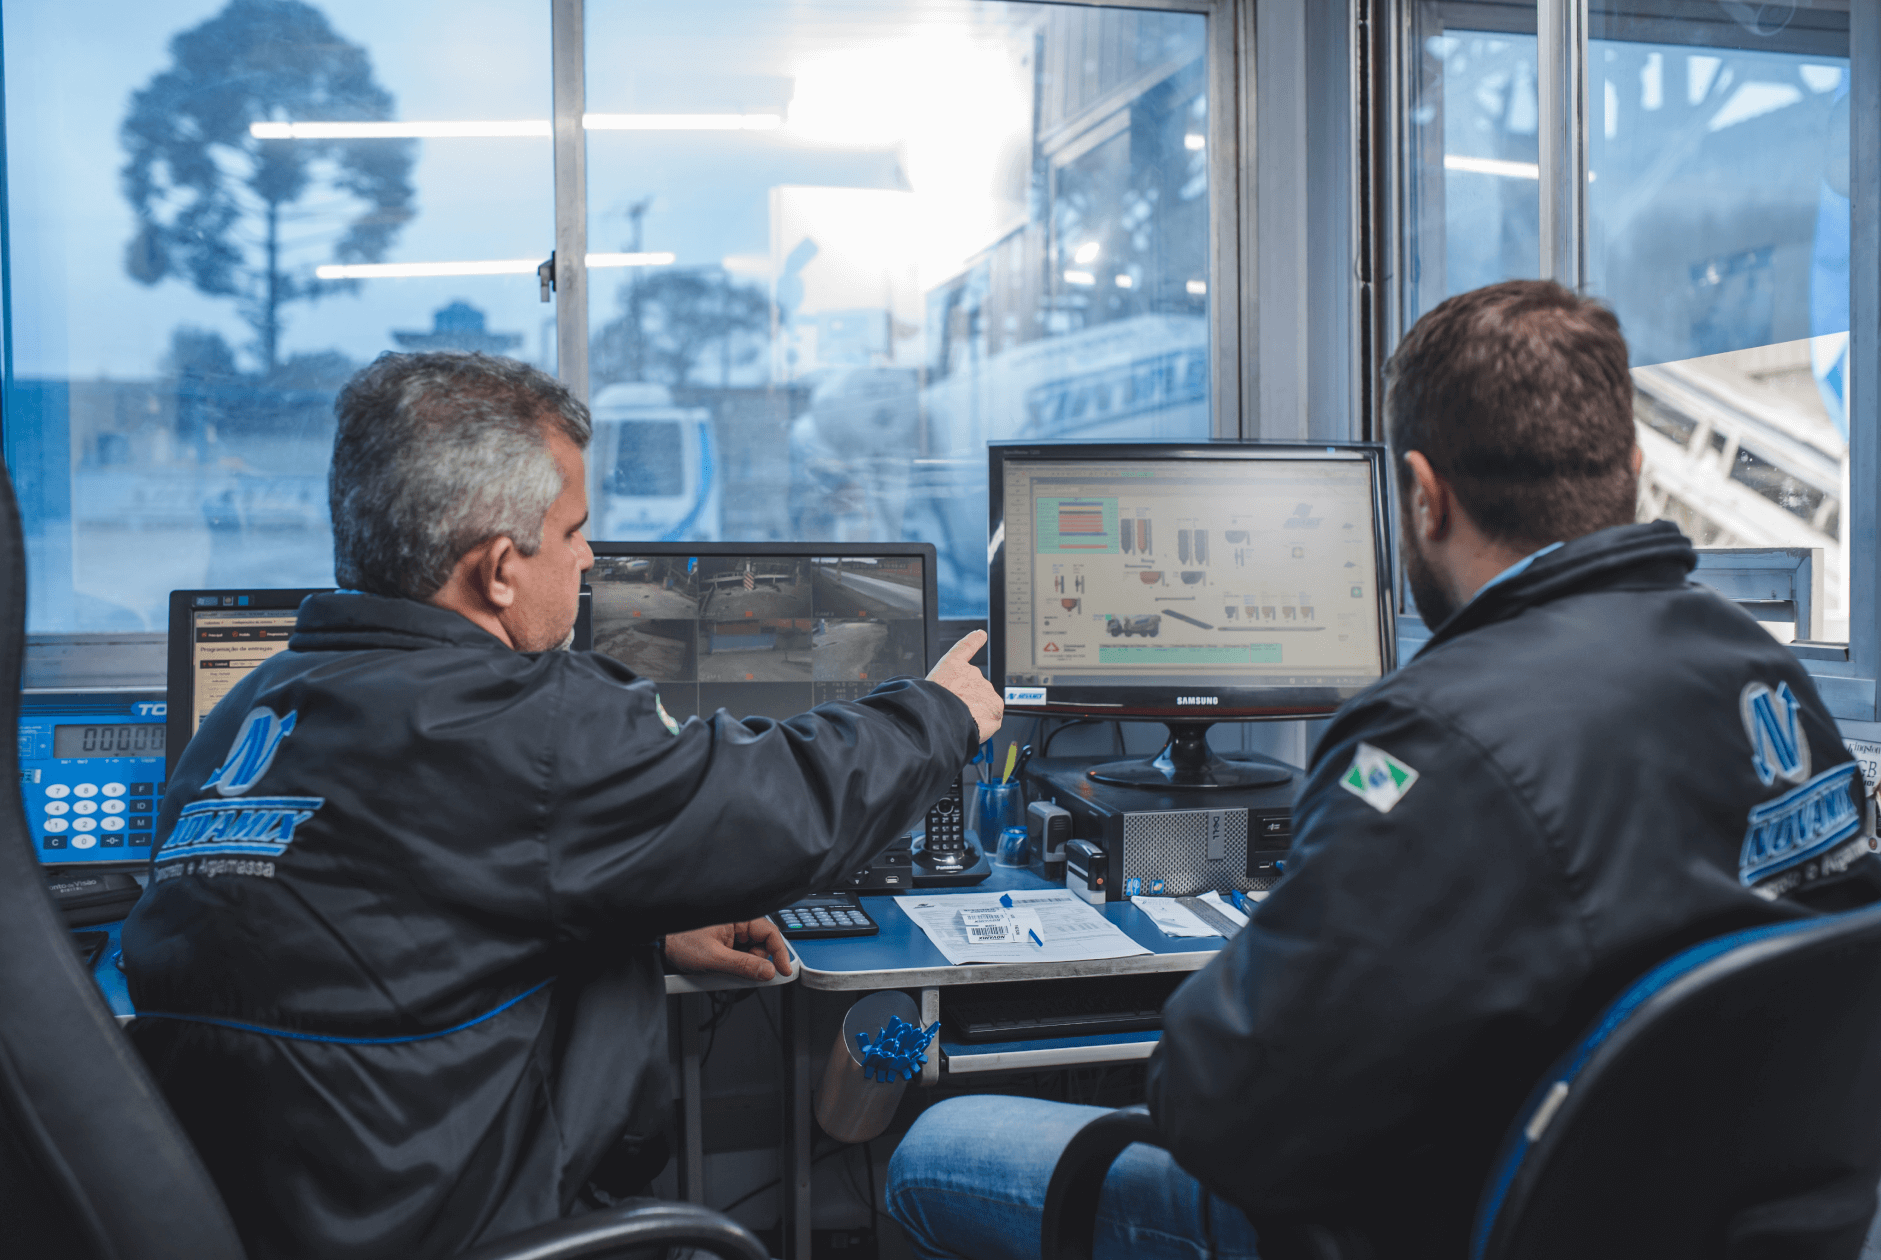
(1035, 940)
(1012, 759)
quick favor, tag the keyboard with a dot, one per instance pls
(1028, 1009)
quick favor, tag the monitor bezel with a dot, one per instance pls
(179, 691)
(930, 581)
(1237, 704)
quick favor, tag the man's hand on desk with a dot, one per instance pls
(754, 950)
(958, 674)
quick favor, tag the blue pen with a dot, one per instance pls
(1005, 899)
(1035, 940)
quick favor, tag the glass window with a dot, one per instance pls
(1472, 175)
(215, 214)
(839, 247)
(1718, 228)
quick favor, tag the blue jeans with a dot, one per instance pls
(969, 1181)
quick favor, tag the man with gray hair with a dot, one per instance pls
(398, 968)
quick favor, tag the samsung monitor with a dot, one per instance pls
(1191, 583)
(764, 629)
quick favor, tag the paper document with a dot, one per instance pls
(1172, 917)
(1071, 929)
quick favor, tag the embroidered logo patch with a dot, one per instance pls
(256, 742)
(258, 828)
(1378, 778)
(1796, 835)
(1778, 747)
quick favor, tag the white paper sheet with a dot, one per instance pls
(1174, 918)
(1073, 929)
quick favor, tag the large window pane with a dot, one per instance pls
(178, 330)
(852, 243)
(1472, 174)
(1718, 228)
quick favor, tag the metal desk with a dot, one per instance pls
(900, 956)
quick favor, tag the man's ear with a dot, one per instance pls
(486, 581)
(1432, 503)
(497, 572)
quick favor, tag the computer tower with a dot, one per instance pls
(1176, 842)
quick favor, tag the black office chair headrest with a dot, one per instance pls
(92, 1163)
(1728, 1104)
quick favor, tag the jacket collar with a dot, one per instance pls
(351, 621)
(1655, 553)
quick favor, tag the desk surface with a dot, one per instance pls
(117, 992)
(900, 955)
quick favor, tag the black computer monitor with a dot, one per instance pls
(1192, 583)
(216, 638)
(764, 629)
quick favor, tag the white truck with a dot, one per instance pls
(652, 467)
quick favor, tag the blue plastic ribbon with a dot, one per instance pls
(898, 1051)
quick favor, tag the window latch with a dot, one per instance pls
(545, 276)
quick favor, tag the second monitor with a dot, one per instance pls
(1190, 583)
(764, 629)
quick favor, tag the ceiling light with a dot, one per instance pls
(1193, 141)
(682, 122)
(630, 260)
(1124, 282)
(485, 267)
(1198, 288)
(409, 271)
(1087, 253)
(1491, 166)
(531, 127)
(397, 130)
(1080, 277)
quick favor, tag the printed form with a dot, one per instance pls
(1071, 928)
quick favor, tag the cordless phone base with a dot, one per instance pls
(949, 868)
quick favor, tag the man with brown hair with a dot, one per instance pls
(1591, 765)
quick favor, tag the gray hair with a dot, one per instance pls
(436, 453)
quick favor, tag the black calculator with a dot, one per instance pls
(825, 914)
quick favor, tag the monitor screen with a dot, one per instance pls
(768, 630)
(217, 638)
(1192, 582)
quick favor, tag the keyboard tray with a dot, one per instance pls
(1025, 1010)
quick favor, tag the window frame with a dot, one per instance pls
(66, 661)
(1844, 674)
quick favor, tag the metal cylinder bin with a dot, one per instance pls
(878, 1049)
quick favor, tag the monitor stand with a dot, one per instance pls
(1187, 761)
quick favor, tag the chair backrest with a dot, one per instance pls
(92, 1163)
(1727, 1105)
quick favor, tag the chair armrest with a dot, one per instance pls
(642, 1223)
(1069, 1228)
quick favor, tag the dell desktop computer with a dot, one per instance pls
(1190, 584)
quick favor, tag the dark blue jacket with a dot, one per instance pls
(400, 826)
(1591, 766)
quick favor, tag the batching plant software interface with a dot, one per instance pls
(227, 645)
(1260, 572)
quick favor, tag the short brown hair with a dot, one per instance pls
(1519, 396)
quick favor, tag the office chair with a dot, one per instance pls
(1726, 1105)
(93, 1166)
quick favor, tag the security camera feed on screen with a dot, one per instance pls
(761, 636)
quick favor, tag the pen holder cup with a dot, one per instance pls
(1014, 848)
(879, 1049)
(998, 806)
